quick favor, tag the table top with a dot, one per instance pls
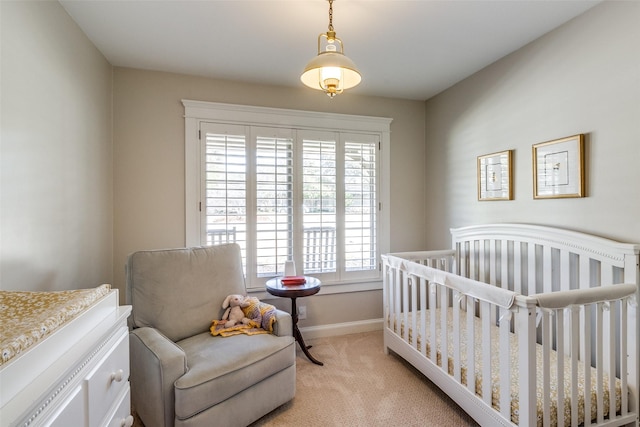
(311, 287)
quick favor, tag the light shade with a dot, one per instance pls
(331, 72)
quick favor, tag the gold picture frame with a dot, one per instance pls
(495, 176)
(558, 168)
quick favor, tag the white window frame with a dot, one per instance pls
(197, 112)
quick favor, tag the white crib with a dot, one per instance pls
(555, 321)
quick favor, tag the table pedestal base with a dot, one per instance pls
(298, 336)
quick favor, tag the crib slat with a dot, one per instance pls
(613, 313)
(526, 367)
(456, 335)
(444, 336)
(493, 256)
(586, 357)
(413, 283)
(446, 265)
(433, 304)
(463, 254)
(624, 406)
(481, 274)
(471, 273)
(471, 346)
(632, 275)
(547, 270)
(405, 306)
(606, 274)
(424, 287)
(584, 281)
(599, 362)
(485, 315)
(575, 343)
(386, 296)
(531, 269)
(517, 267)
(546, 367)
(396, 302)
(608, 324)
(565, 279)
(582, 355)
(565, 284)
(505, 366)
(504, 264)
(560, 364)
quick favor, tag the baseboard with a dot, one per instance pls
(346, 328)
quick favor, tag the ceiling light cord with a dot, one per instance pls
(331, 16)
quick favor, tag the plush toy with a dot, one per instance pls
(262, 315)
(233, 313)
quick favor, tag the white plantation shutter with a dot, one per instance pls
(360, 184)
(274, 201)
(338, 220)
(225, 186)
(319, 195)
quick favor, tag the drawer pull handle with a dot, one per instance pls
(127, 422)
(117, 375)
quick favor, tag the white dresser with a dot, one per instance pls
(76, 376)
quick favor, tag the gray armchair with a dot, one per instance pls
(182, 375)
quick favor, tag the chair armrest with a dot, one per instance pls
(283, 326)
(156, 363)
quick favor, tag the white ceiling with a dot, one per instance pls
(404, 49)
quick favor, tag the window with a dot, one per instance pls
(287, 185)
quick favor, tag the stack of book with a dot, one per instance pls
(293, 280)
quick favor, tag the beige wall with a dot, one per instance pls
(56, 156)
(149, 166)
(584, 77)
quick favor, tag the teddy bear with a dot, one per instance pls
(233, 314)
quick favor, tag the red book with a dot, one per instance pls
(293, 280)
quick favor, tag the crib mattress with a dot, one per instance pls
(495, 369)
(29, 317)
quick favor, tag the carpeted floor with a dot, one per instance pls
(361, 386)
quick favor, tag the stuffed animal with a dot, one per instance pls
(233, 313)
(262, 315)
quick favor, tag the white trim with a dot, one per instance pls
(247, 114)
(192, 182)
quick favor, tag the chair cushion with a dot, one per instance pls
(179, 291)
(220, 367)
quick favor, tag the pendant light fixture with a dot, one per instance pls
(331, 71)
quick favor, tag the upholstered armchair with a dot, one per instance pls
(182, 375)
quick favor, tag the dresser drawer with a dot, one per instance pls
(71, 412)
(108, 379)
(122, 417)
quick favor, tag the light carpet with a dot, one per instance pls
(361, 386)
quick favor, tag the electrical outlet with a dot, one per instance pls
(302, 312)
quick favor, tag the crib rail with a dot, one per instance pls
(465, 329)
(534, 259)
(586, 319)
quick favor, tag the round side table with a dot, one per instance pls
(311, 287)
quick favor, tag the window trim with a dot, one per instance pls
(197, 112)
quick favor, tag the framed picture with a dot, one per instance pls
(558, 168)
(495, 176)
